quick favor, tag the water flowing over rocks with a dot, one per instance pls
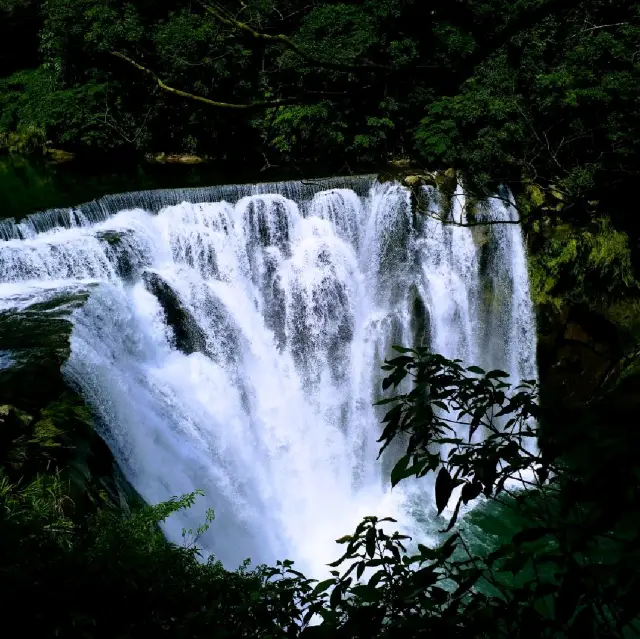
(230, 339)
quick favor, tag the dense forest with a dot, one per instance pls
(540, 96)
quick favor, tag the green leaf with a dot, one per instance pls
(444, 488)
(336, 597)
(416, 469)
(376, 578)
(476, 369)
(373, 563)
(447, 549)
(323, 586)
(471, 491)
(496, 374)
(454, 517)
(402, 349)
(515, 563)
(371, 542)
(427, 553)
(366, 592)
(470, 580)
(424, 577)
(508, 409)
(399, 471)
(530, 534)
(337, 562)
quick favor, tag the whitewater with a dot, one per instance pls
(232, 337)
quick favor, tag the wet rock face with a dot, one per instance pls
(60, 438)
(188, 336)
(578, 351)
(34, 343)
(45, 426)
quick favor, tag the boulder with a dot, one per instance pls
(188, 336)
(45, 425)
(174, 158)
(446, 180)
(400, 163)
(59, 156)
(413, 180)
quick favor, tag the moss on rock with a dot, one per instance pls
(45, 426)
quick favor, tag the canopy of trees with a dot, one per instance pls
(541, 92)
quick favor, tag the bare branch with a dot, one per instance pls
(226, 18)
(266, 104)
(448, 76)
(441, 218)
(600, 26)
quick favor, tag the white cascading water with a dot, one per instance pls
(232, 342)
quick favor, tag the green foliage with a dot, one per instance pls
(445, 397)
(569, 567)
(298, 127)
(33, 112)
(479, 130)
(338, 32)
(560, 575)
(141, 584)
(555, 105)
(583, 266)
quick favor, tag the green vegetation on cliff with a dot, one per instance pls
(45, 426)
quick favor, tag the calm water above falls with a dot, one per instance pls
(233, 336)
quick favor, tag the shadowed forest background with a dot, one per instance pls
(539, 96)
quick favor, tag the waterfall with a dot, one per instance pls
(232, 339)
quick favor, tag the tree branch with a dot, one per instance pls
(450, 222)
(434, 215)
(265, 104)
(450, 76)
(464, 69)
(226, 18)
(514, 27)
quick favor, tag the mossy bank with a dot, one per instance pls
(45, 426)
